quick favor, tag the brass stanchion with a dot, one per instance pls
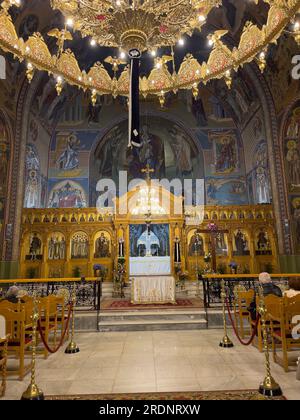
(33, 392)
(269, 387)
(226, 342)
(72, 346)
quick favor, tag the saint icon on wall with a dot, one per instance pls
(196, 245)
(102, 246)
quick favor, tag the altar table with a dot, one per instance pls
(152, 266)
(153, 289)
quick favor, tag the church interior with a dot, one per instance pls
(150, 199)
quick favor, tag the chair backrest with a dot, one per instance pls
(274, 305)
(53, 304)
(291, 308)
(63, 292)
(244, 298)
(14, 322)
(2, 327)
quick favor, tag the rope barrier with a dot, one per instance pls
(62, 337)
(244, 343)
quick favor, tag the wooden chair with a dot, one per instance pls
(62, 314)
(282, 327)
(19, 338)
(242, 301)
(271, 302)
(48, 319)
(3, 364)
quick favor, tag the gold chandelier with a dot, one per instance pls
(147, 25)
(142, 24)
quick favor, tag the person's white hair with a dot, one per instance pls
(12, 291)
(265, 278)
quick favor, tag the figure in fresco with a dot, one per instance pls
(35, 247)
(32, 195)
(293, 160)
(262, 186)
(199, 112)
(32, 159)
(196, 245)
(109, 153)
(182, 152)
(212, 189)
(293, 129)
(152, 151)
(68, 160)
(218, 112)
(67, 196)
(32, 191)
(226, 154)
(102, 247)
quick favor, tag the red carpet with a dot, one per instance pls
(124, 304)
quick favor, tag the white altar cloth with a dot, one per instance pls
(150, 266)
(153, 290)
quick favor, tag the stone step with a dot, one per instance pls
(152, 325)
(143, 315)
(147, 320)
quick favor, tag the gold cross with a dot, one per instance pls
(148, 170)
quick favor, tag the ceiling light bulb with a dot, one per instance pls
(122, 55)
(297, 26)
(202, 18)
(153, 53)
(70, 22)
(181, 41)
(93, 42)
(262, 55)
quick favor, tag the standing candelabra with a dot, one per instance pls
(269, 387)
(33, 392)
(72, 346)
(226, 342)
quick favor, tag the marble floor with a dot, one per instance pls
(162, 361)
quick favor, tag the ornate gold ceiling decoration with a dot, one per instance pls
(143, 24)
(164, 78)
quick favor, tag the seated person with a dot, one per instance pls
(269, 288)
(12, 294)
(294, 288)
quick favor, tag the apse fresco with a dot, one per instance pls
(166, 147)
(292, 169)
(67, 194)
